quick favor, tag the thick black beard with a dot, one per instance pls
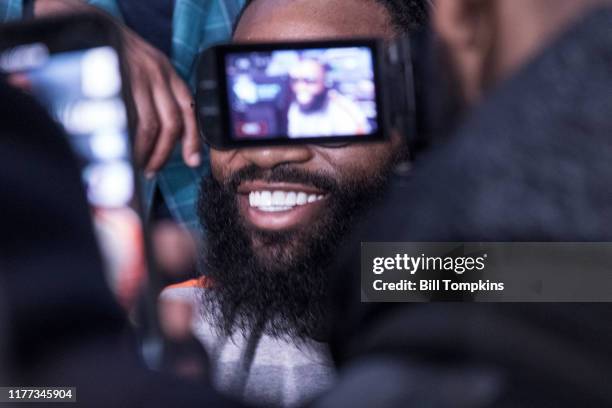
(281, 287)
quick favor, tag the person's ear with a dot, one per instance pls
(466, 28)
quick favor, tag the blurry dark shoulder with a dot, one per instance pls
(531, 162)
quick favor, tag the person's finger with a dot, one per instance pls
(190, 137)
(147, 121)
(171, 121)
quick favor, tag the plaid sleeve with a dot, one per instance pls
(219, 22)
(197, 25)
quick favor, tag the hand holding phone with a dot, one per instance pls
(163, 102)
(73, 67)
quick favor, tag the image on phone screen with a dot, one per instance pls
(301, 93)
(82, 91)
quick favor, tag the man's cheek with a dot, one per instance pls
(215, 168)
(360, 161)
(221, 163)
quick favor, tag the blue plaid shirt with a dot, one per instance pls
(196, 25)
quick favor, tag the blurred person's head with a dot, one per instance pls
(486, 41)
(275, 215)
(525, 165)
(308, 84)
(52, 245)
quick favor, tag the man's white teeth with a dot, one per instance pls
(274, 201)
(265, 199)
(278, 198)
(273, 208)
(302, 198)
(291, 198)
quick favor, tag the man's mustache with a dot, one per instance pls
(285, 173)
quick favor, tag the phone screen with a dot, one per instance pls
(302, 93)
(82, 90)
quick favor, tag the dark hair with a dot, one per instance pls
(406, 15)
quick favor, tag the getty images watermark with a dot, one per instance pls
(486, 272)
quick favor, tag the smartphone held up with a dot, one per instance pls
(255, 94)
(71, 66)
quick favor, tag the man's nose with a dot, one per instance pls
(270, 157)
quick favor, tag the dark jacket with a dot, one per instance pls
(533, 162)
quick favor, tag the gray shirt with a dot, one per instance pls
(260, 369)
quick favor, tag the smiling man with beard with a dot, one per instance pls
(267, 262)
(275, 216)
